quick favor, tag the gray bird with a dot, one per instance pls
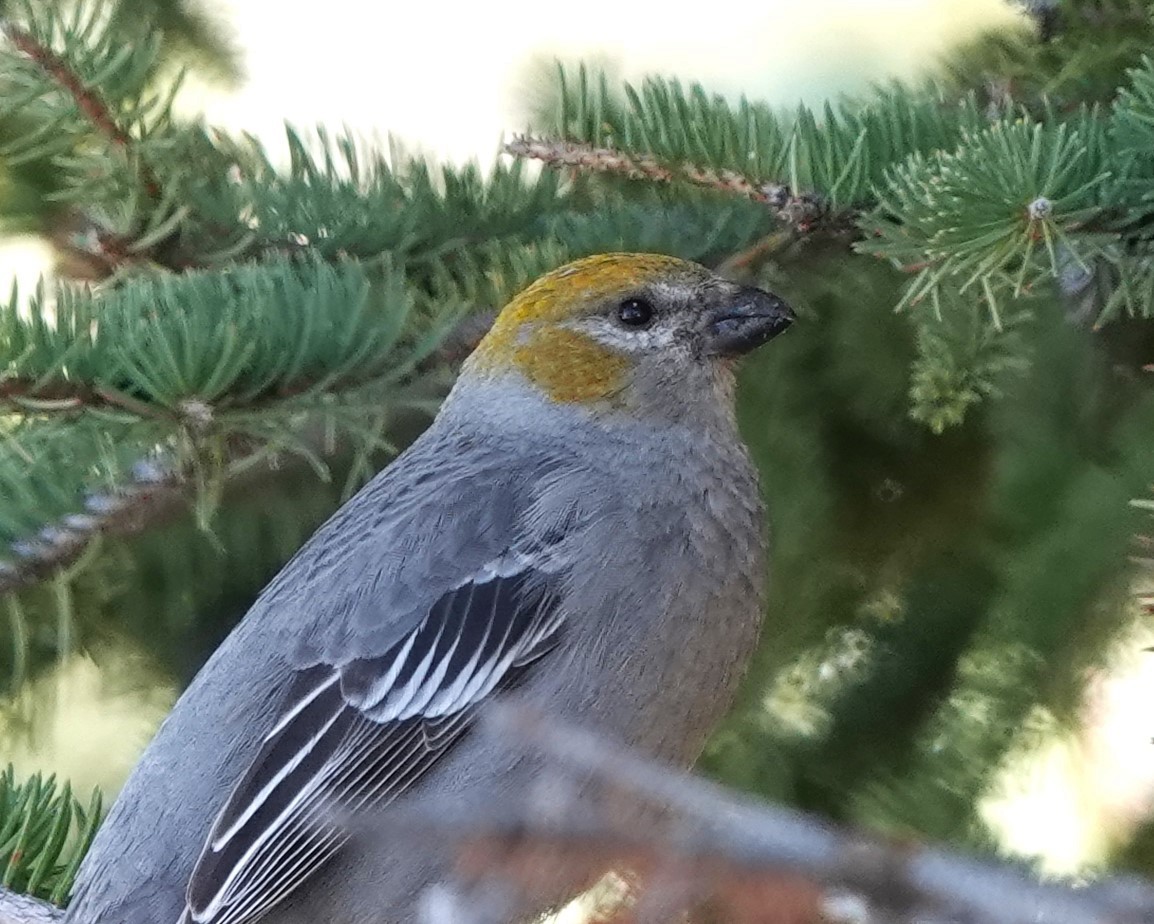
(581, 521)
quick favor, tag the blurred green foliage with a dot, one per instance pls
(929, 592)
(189, 35)
(44, 832)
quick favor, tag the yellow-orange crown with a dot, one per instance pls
(568, 365)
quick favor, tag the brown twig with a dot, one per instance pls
(746, 265)
(803, 211)
(87, 100)
(605, 160)
(155, 494)
(758, 863)
(67, 396)
(661, 883)
(105, 249)
(907, 881)
(117, 513)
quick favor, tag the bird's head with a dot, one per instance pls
(640, 333)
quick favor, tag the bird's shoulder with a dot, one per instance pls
(454, 504)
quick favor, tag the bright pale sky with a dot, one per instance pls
(446, 75)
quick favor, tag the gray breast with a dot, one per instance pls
(668, 598)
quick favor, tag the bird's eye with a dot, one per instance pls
(635, 312)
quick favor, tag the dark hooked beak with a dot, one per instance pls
(748, 319)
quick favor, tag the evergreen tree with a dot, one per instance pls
(953, 436)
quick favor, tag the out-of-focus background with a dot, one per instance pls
(955, 645)
(458, 96)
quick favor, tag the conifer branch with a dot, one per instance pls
(87, 100)
(153, 498)
(804, 212)
(93, 252)
(45, 830)
(155, 491)
(176, 478)
(67, 397)
(556, 153)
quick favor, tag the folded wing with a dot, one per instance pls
(357, 734)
